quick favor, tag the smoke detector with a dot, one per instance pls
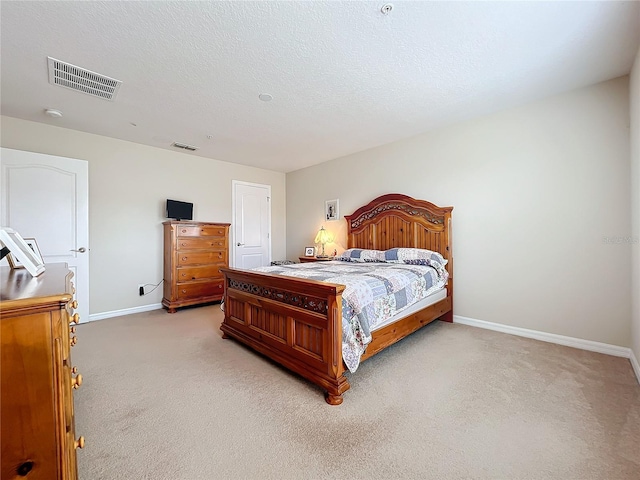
(82, 80)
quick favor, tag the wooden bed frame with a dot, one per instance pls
(298, 322)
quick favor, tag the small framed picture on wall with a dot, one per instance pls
(331, 210)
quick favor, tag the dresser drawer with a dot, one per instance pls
(73, 443)
(187, 274)
(200, 231)
(194, 290)
(199, 258)
(186, 243)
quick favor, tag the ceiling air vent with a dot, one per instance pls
(83, 80)
(184, 146)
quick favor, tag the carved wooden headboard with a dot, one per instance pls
(396, 220)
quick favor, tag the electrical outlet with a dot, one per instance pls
(141, 289)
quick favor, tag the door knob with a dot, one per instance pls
(240, 244)
(80, 250)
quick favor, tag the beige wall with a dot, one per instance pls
(534, 189)
(128, 186)
(634, 88)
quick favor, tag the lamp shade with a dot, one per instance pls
(323, 236)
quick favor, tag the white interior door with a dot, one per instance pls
(47, 198)
(251, 225)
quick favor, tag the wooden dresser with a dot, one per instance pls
(38, 433)
(194, 252)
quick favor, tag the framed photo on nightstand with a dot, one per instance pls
(309, 251)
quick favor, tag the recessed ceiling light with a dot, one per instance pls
(53, 113)
(265, 97)
(386, 8)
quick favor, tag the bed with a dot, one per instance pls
(298, 322)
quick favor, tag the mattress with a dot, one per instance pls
(424, 303)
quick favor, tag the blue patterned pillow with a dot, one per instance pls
(413, 256)
(361, 255)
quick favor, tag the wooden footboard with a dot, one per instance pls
(295, 322)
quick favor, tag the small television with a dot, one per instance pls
(179, 210)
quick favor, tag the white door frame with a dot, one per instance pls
(232, 233)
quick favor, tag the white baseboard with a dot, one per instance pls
(124, 311)
(635, 365)
(549, 337)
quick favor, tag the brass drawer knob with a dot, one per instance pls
(76, 381)
(73, 341)
(79, 443)
(75, 318)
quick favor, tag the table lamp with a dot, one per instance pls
(323, 237)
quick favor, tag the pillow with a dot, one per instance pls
(413, 256)
(361, 255)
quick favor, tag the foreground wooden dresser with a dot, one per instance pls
(38, 433)
(194, 252)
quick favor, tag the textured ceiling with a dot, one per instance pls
(344, 77)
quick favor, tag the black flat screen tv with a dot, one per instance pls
(179, 210)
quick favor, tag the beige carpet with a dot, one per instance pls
(165, 397)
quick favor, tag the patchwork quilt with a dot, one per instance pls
(374, 293)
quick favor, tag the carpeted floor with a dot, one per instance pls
(165, 397)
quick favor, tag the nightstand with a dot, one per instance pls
(314, 259)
